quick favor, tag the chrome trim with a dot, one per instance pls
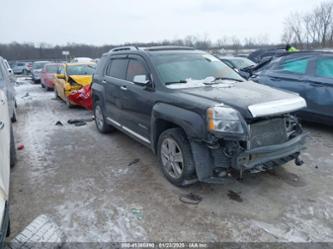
(128, 130)
(113, 122)
(277, 107)
(136, 134)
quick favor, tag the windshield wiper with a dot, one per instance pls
(175, 82)
(221, 78)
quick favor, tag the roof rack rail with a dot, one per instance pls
(125, 48)
(163, 48)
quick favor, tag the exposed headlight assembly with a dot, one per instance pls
(225, 120)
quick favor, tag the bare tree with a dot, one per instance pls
(313, 29)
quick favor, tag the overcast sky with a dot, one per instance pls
(101, 22)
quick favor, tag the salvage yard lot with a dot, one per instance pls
(109, 187)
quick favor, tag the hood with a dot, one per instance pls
(249, 98)
(83, 80)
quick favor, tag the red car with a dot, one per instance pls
(48, 75)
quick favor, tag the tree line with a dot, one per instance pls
(310, 30)
(31, 51)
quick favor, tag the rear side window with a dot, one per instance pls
(117, 68)
(324, 68)
(135, 68)
(51, 68)
(295, 66)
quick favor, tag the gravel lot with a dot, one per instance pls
(109, 187)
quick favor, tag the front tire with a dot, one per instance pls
(100, 120)
(175, 156)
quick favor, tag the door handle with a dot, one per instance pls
(316, 85)
(2, 125)
(124, 88)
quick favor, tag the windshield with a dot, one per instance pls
(241, 63)
(189, 67)
(38, 65)
(81, 69)
(51, 68)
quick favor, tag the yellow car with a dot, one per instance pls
(72, 77)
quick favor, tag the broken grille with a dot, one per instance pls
(268, 132)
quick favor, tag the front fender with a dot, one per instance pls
(192, 123)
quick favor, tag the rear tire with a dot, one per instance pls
(175, 156)
(100, 120)
(56, 93)
(12, 148)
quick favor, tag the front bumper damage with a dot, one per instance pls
(214, 163)
(269, 156)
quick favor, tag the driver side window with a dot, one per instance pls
(136, 70)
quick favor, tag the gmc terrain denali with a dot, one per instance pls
(199, 116)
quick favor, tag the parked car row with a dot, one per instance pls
(70, 81)
(307, 73)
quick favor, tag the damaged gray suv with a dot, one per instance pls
(200, 117)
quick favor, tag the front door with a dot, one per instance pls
(138, 98)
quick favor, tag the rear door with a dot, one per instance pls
(60, 83)
(114, 81)
(320, 92)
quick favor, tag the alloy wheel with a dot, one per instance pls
(172, 158)
(99, 117)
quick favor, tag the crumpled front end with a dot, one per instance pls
(76, 82)
(270, 142)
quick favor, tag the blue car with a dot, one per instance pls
(310, 74)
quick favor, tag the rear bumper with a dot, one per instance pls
(47, 82)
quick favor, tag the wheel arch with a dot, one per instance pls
(166, 116)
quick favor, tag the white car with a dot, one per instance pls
(7, 82)
(81, 60)
(8, 156)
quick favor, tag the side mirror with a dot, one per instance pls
(61, 76)
(141, 79)
(10, 71)
(245, 75)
